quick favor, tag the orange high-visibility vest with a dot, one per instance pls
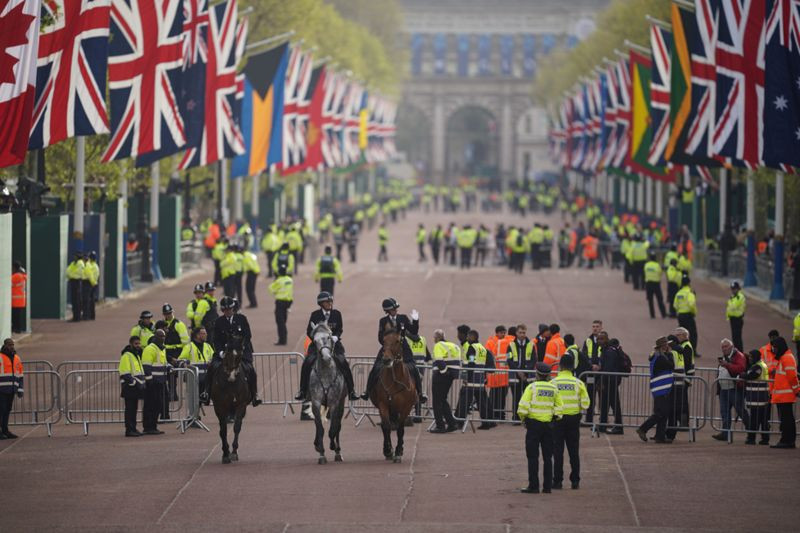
(573, 241)
(212, 236)
(553, 351)
(10, 374)
(18, 293)
(589, 244)
(306, 344)
(499, 347)
(769, 359)
(785, 387)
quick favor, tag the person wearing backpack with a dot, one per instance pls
(611, 360)
(328, 271)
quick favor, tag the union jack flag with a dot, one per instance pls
(144, 71)
(195, 53)
(351, 122)
(610, 119)
(71, 72)
(577, 128)
(335, 86)
(295, 107)
(623, 77)
(661, 44)
(740, 81)
(593, 125)
(221, 135)
(389, 128)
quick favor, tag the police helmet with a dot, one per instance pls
(652, 255)
(324, 296)
(166, 309)
(145, 314)
(92, 255)
(210, 286)
(199, 288)
(567, 361)
(226, 303)
(735, 285)
(542, 369)
(389, 304)
(685, 280)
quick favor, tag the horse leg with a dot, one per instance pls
(334, 430)
(320, 433)
(398, 451)
(237, 427)
(386, 427)
(223, 435)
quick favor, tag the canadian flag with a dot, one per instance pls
(19, 42)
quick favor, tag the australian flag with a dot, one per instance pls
(781, 146)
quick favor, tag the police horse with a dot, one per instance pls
(326, 388)
(231, 395)
(395, 393)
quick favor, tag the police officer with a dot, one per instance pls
(756, 398)
(476, 357)
(421, 235)
(176, 334)
(383, 240)
(567, 430)
(407, 327)
(132, 383)
(421, 354)
(674, 277)
(638, 252)
(283, 291)
(466, 238)
(661, 380)
(229, 329)
(590, 358)
(283, 260)
(652, 284)
(211, 315)
(270, 244)
(75, 277)
(144, 329)
(734, 312)
(228, 267)
(156, 369)
(328, 271)
(326, 313)
(218, 255)
(197, 354)
(252, 270)
(686, 307)
(352, 240)
(91, 277)
(445, 355)
(521, 356)
(683, 365)
(540, 404)
(339, 237)
(198, 307)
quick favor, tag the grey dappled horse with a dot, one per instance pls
(326, 388)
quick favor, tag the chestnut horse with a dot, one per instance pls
(394, 394)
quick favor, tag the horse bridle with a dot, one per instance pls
(396, 357)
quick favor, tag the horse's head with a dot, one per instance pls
(323, 340)
(232, 356)
(392, 346)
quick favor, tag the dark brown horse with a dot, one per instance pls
(394, 395)
(230, 394)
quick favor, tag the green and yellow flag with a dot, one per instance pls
(641, 121)
(680, 102)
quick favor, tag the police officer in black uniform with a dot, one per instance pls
(231, 328)
(407, 327)
(326, 313)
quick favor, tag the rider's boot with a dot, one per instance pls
(418, 384)
(344, 368)
(305, 375)
(371, 379)
(252, 380)
(205, 394)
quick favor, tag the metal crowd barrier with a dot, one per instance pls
(41, 401)
(92, 396)
(279, 378)
(736, 422)
(191, 252)
(68, 366)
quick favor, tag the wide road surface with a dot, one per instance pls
(452, 482)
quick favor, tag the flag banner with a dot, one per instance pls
(484, 55)
(578, 128)
(463, 55)
(549, 42)
(417, 43)
(684, 28)
(506, 55)
(641, 130)
(529, 56)
(20, 22)
(335, 86)
(439, 53)
(295, 110)
(195, 55)
(314, 135)
(621, 160)
(262, 111)
(71, 72)
(389, 128)
(222, 137)
(601, 136)
(363, 122)
(782, 85)
(352, 122)
(739, 57)
(609, 126)
(565, 114)
(591, 125)
(661, 45)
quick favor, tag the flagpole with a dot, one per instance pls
(270, 40)
(80, 176)
(155, 182)
(750, 271)
(254, 197)
(685, 4)
(658, 22)
(237, 199)
(777, 292)
(638, 47)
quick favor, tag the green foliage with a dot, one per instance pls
(622, 19)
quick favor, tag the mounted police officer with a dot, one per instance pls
(326, 313)
(230, 330)
(408, 327)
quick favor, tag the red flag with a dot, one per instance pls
(314, 132)
(19, 42)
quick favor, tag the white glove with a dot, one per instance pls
(414, 314)
(335, 339)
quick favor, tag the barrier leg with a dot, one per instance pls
(86, 429)
(49, 429)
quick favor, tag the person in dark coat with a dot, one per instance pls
(610, 361)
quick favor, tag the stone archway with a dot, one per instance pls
(471, 143)
(414, 136)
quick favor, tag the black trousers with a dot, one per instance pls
(759, 420)
(788, 428)
(536, 262)
(637, 273)
(229, 285)
(440, 389)
(499, 395)
(653, 289)
(351, 250)
(281, 316)
(737, 324)
(238, 282)
(421, 246)
(17, 319)
(466, 257)
(382, 254)
(6, 403)
(539, 435)
(626, 270)
(661, 409)
(250, 284)
(435, 252)
(593, 392)
(327, 284)
(470, 395)
(686, 320)
(270, 255)
(679, 410)
(517, 389)
(672, 290)
(609, 397)
(87, 305)
(480, 256)
(217, 274)
(76, 298)
(131, 408)
(567, 431)
(154, 397)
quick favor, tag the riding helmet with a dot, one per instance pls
(324, 296)
(199, 288)
(210, 286)
(390, 303)
(226, 303)
(166, 309)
